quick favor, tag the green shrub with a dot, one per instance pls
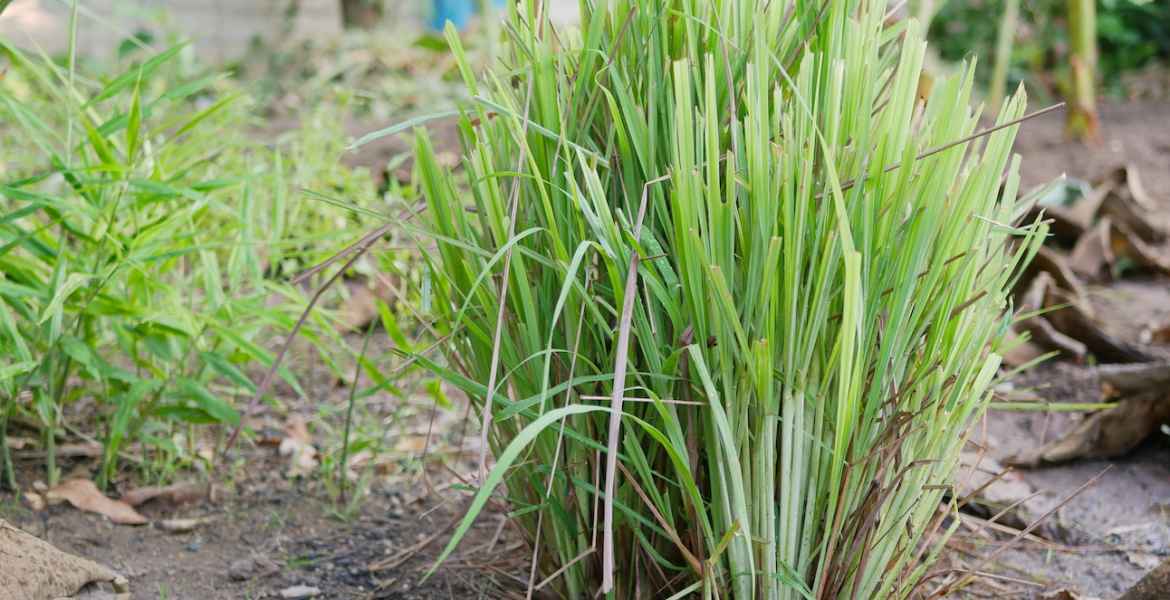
(138, 226)
(1131, 34)
(748, 312)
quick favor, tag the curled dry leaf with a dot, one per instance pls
(1056, 265)
(361, 307)
(178, 493)
(84, 495)
(1084, 211)
(1092, 256)
(1126, 242)
(1105, 434)
(297, 445)
(1073, 320)
(1068, 324)
(1043, 334)
(1130, 379)
(84, 450)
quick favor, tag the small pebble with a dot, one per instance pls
(299, 591)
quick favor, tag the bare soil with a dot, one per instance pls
(267, 533)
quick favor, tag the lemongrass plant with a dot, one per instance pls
(726, 285)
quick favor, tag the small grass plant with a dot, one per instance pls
(726, 284)
(143, 241)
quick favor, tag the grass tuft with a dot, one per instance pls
(726, 291)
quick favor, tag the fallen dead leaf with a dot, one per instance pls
(1092, 256)
(411, 443)
(1105, 434)
(178, 493)
(84, 495)
(1132, 378)
(1133, 210)
(361, 306)
(297, 445)
(1064, 224)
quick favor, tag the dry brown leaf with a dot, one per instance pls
(1043, 334)
(1126, 242)
(84, 495)
(1074, 320)
(1085, 210)
(361, 307)
(1129, 204)
(1105, 434)
(1137, 190)
(297, 445)
(1056, 264)
(85, 450)
(1092, 256)
(411, 443)
(1021, 353)
(1130, 378)
(177, 493)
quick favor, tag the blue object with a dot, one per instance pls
(458, 12)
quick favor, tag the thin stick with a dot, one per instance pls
(1036, 523)
(342, 480)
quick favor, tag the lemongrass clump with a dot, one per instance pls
(725, 292)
